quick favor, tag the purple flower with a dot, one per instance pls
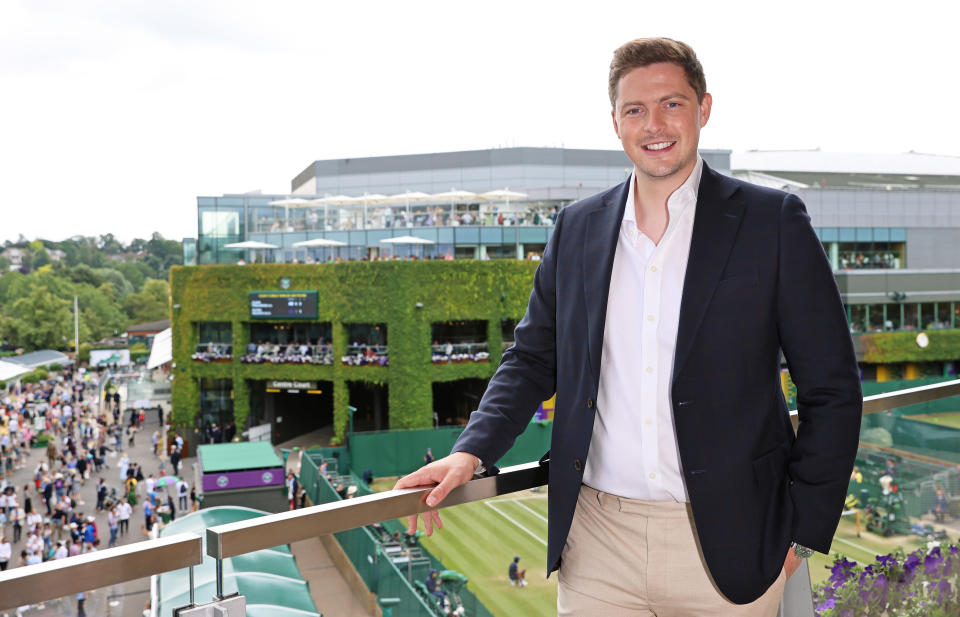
(887, 560)
(841, 571)
(830, 603)
(932, 563)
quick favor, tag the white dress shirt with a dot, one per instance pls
(633, 450)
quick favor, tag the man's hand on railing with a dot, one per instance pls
(447, 474)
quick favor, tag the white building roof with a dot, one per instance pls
(817, 161)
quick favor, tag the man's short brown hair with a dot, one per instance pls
(644, 52)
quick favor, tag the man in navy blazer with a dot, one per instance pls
(756, 282)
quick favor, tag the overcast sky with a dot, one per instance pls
(114, 116)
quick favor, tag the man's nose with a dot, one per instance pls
(654, 121)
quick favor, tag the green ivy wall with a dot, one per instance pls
(356, 292)
(891, 347)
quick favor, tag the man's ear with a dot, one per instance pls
(616, 126)
(705, 106)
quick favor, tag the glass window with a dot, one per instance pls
(894, 320)
(881, 234)
(829, 234)
(898, 235)
(868, 255)
(910, 316)
(864, 234)
(858, 317)
(927, 315)
(214, 332)
(941, 317)
(875, 317)
(216, 408)
(846, 234)
(219, 224)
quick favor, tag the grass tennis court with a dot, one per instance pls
(480, 539)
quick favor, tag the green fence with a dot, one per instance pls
(394, 453)
(380, 574)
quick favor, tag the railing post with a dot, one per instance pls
(219, 577)
(192, 599)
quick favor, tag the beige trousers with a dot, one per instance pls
(627, 557)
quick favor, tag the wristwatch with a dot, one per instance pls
(802, 551)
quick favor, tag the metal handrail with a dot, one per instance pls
(241, 537)
(62, 577)
(910, 396)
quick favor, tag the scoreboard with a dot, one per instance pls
(283, 304)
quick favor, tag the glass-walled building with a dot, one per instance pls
(876, 215)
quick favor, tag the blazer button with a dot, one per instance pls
(590, 403)
(576, 464)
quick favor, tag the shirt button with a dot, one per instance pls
(649, 369)
(649, 421)
(590, 403)
(653, 476)
(653, 268)
(649, 317)
(577, 464)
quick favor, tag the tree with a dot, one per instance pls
(41, 258)
(38, 321)
(152, 303)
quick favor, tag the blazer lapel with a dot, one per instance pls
(603, 229)
(715, 224)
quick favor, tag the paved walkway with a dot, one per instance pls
(127, 599)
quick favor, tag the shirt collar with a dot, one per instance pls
(685, 194)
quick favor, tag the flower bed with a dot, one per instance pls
(254, 358)
(921, 583)
(366, 360)
(211, 356)
(460, 358)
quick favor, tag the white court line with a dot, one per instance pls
(530, 510)
(866, 550)
(533, 535)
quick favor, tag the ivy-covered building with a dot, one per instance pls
(889, 224)
(408, 344)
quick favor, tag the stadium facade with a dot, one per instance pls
(890, 226)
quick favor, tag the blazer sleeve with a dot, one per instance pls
(815, 339)
(527, 373)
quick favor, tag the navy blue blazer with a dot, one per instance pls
(757, 282)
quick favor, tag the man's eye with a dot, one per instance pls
(673, 104)
(633, 112)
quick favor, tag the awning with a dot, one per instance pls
(9, 370)
(162, 350)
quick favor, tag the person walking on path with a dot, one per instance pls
(183, 492)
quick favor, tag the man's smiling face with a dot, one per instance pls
(658, 120)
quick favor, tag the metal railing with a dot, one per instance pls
(62, 577)
(212, 352)
(53, 579)
(460, 352)
(276, 353)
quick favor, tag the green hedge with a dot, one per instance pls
(354, 292)
(890, 347)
